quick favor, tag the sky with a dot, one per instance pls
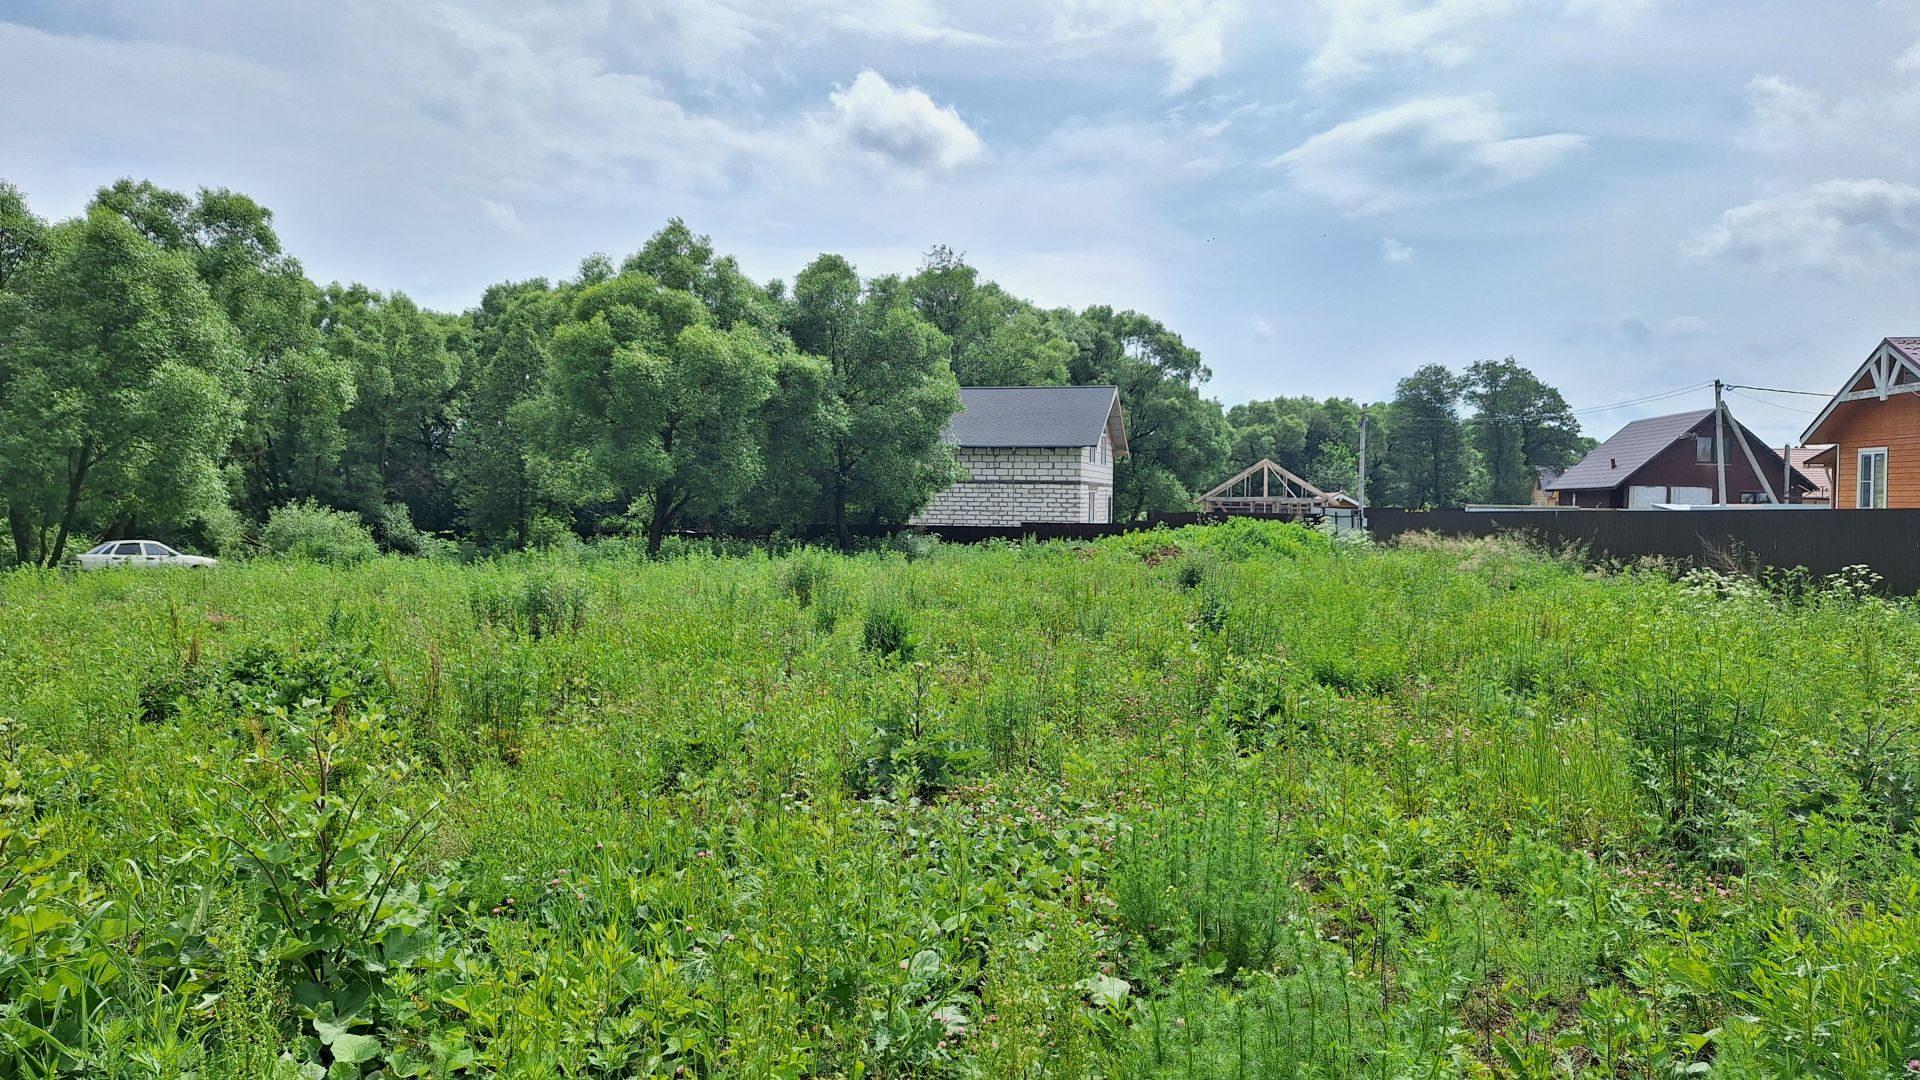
(1628, 196)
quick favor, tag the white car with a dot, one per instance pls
(140, 553)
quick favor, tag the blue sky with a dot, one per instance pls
(1629, 196)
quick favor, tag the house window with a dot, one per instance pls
(1871, 493)
(1703, 449)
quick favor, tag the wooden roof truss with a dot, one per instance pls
(1887, 372)
(1264, 488)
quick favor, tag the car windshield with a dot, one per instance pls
(155, 548)
(100, 549)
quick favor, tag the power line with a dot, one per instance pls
(1770, 404)
(1643, 400)
(1773, 390)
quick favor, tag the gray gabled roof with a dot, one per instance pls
(1046, 416)
(1632, 446)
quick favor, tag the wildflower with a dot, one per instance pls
(579, 896)
(903, 965)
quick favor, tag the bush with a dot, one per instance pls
(311, 532)
(393, 528)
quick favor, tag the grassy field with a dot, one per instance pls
(1231, 802)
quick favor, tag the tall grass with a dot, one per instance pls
(1215, 802)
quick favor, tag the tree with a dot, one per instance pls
(119, 388)
(499, 494)
(1426, 462)
(665, 405)
(296, 391)
(872, 411)
(23, 237)
(399, 428)
(1177, 439)
(1318, 440)
(993, 339)
(1519, 422)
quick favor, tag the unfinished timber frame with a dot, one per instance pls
(1266, 488)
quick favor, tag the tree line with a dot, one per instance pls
(167, 369)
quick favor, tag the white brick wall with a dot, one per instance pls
(1012, 486)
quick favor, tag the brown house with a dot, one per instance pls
(1874, 426)
(1671, 460)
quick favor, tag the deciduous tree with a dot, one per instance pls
(119, 388)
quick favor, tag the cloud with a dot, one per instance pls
(1394, 251)
(500, 213)
(1612, 12)
(1190, 35)
(1780, 112)
(903, 126)
(1422, 151)
(1365, 33)
(1843, 228)
(1260, 329)
(1632, 333)
(916, 22)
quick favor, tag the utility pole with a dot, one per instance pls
(1363, 468)
(1786, 473)
(1720, 440)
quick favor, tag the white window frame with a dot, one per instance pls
(1866, 482)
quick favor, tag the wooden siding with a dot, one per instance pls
(1894, 424)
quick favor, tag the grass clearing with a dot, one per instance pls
(1221, 802)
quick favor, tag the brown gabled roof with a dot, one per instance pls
(1614, 462)
(1610, 463)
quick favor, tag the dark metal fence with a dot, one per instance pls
(1821, 541)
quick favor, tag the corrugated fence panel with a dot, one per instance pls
(1821, 541)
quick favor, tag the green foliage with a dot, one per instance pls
(1225, 800)
(119, 383)
(311, 532)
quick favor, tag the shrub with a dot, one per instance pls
(887, 630)
(315, 533)
(393, 528)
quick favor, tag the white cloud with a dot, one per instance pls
(1844, 228)
(1422, 151)
(1190, 35)
(1260, 329)
(1612, 12)
(1365, 33)
(1909, 61)
(1781, 112)
(1393, 251)
(913, 21)
(903, 126)
(1685, 326)
(500, 213)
